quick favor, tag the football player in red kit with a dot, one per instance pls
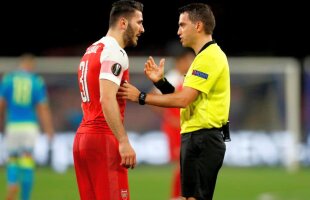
(102, 151)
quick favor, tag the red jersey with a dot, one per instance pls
(104, 59)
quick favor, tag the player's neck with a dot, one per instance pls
(117, 36)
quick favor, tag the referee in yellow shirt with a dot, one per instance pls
(204, 102)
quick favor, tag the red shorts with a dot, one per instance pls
(97, 166)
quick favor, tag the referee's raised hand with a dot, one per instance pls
(153, 71)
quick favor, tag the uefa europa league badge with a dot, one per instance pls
(116, 69)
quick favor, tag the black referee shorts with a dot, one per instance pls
(202, 155)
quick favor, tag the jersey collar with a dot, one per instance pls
(206, 45)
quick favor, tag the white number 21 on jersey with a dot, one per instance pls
(83, 81)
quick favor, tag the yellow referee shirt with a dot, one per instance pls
(209, 74)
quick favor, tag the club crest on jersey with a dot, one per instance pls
(124, 194)
(116, 69)
(200, 74)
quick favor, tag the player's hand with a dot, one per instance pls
(128, 91)
(153, 71)
(128, 155)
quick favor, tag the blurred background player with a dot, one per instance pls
(23, 99)
(102, 151)
(170, 125)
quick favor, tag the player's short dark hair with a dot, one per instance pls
(124, 8)
(200, 12)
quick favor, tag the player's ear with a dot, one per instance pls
(123, 23)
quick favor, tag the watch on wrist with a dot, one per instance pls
(142, 97)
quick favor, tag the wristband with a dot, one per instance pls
(164, 86)
(142, 97)
(160, 83)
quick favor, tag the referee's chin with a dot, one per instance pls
(182, 43)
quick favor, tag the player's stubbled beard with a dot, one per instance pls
(129, 37)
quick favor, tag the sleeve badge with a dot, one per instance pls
(116, 69)
(200, 74)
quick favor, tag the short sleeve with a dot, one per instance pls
(114, 62)
(4, 84)
(39, 92)
(202, 75)
(112, 71)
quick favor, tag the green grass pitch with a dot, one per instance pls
(153, 183)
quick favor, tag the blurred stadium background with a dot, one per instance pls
(269, 55)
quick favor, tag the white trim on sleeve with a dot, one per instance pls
(110, 77)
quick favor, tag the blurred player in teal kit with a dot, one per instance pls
(23, 98)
